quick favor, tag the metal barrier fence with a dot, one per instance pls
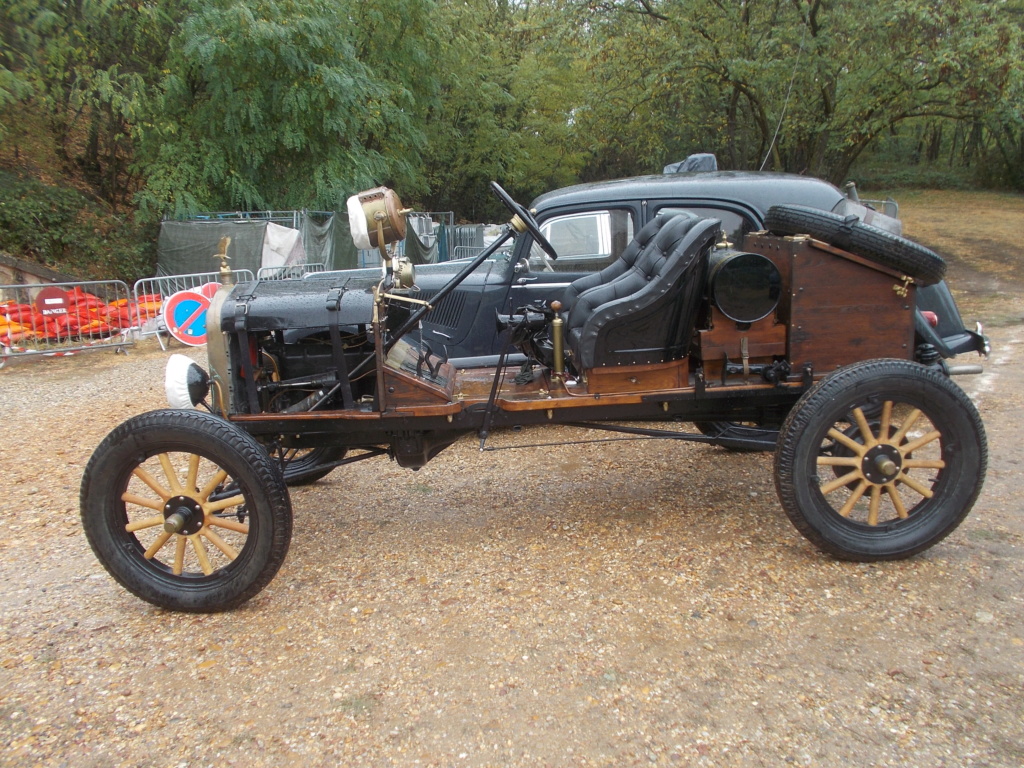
(58, 319)
(471, 235)
(292, 219)
(150, 292)
(289, 272)
(437, 225)
(469, 251)
(371, 257)
(165, 285)
(465, 251)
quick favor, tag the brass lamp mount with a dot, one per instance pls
(227, 277)
(377, 220)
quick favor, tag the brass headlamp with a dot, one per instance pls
(377, 219)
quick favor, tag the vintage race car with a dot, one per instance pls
(808, 324)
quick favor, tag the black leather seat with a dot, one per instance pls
(642, 308)
(625, 260)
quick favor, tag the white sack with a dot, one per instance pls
(282, 246)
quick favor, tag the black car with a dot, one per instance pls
(590, 224)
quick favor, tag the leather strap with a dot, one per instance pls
(341, 367)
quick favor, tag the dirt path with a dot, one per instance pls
(980, 235)
(619, 604)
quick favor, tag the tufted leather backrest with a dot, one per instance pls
(648, 262)
(646, 313)
(617, 267)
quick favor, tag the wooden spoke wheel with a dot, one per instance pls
(881, 460)
(186, 511)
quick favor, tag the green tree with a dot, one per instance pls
(92, 65)
(800, 85)
(13, 86)
(469, 130)
(504, 109)
(1005, 121)
(267, 103)
(545, 89)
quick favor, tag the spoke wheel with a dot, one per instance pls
(881, 460)
(186, 511)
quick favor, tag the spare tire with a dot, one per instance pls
(853, 235)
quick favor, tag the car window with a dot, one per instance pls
(734, 224)
(585, 242)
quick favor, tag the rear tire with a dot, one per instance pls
(885, 489)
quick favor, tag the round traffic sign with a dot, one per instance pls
(185, 317)
(52, 301)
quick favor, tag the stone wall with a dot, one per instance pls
(15, 271)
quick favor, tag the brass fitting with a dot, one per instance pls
(558, 341)
(175, 523)
(227, 277)
(886, 465)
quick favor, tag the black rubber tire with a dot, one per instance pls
(961, 446)
(853, 235)
(253, 474)
(721, 430)
(307, 461)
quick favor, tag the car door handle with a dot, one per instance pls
(525, 280)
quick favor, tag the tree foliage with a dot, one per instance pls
(503, 111)
(799, 85)
(90, 64)
(12, 86)
(282, 103)
(172, 106)
(60, 227)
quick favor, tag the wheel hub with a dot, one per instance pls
(184, 515)
(881, 464)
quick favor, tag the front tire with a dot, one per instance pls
(887, 488)
(186, 511)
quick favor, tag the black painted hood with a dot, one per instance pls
(274, 305)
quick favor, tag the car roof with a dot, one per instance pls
(755, 189)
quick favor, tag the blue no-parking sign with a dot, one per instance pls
(185, 317)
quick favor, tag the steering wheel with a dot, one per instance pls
(525, 218)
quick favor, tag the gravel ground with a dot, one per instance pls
(625, 603)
